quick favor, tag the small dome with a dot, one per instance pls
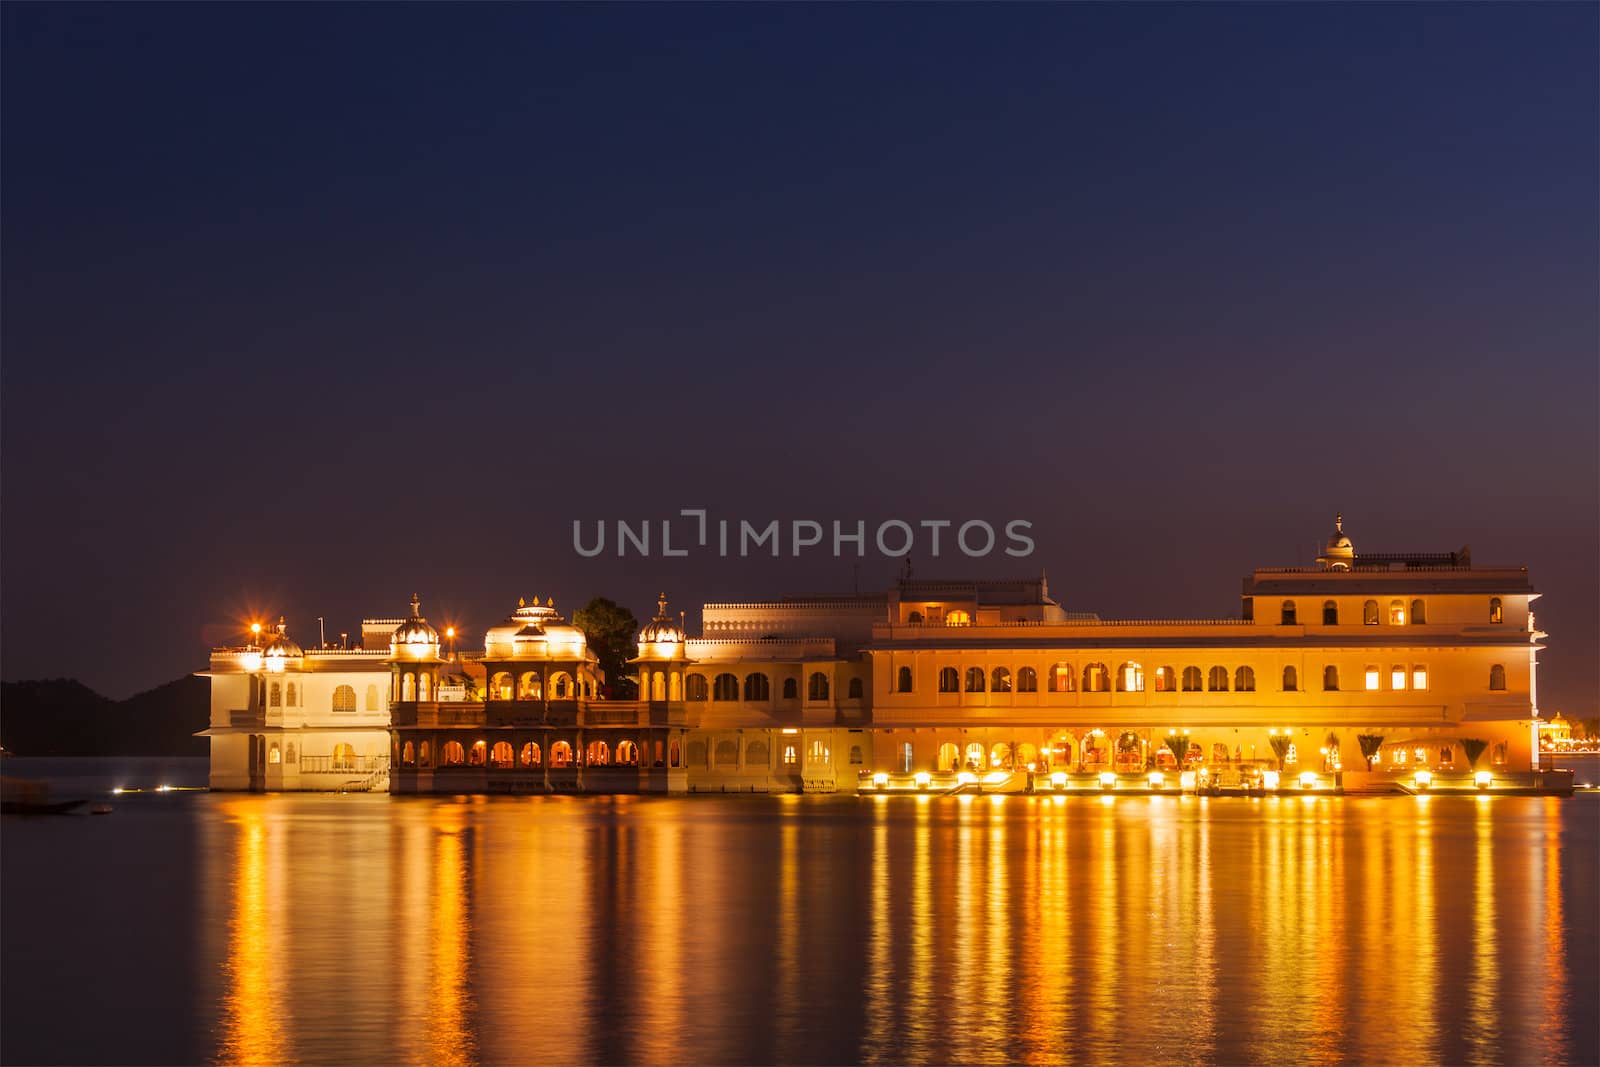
(1341, 551)
(661, 629)
(279, 645)
(415, 630)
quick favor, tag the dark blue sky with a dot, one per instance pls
(306, 308)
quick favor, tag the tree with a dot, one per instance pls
(1473, 747)
(1370, 743)
(1280, 747)
(1179, 746)
(612, 633)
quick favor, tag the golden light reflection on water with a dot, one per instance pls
(1035, 930)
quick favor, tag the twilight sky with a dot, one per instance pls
(307, 308)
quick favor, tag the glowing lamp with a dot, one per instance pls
(1423, 779)
(1269, 779)
(880, 779)
(1483, 778)
(1107, 780)
(1187, 780)
(1058, 779)
(1157, 780)
(1308, 779)
(923, 778)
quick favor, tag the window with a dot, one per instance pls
(1000, 756)
(949, 680)
(529, 686)
(1419, 676)
(500, 687)
(276, 699)
(344, 757)
(1499, 755)
(697, 687)
(818, 752)
(1419, 613)
(1330, 679)
(756, 687)
(1397, 613)
(903, 680)
(854, 692)
(756, 754)
(274, 754)
(817, 686)
(1288, 613)
(974, 679)
(1166, 680)
(1397, 676)
(1062, 678)
(1000, 681)
(1096, 679)
(914, 619)
(1191, 679)
(408, 754)
(855, 755)
(1330, 613)
(725, 687)
(1130, 678)
(791, 689)
(1497, 678)
(1369, 613)
(451, 754)
(1217, 680)
(291, 701)
(675, 754)
(561, 754)
(372, 698)
(478, 753)
(1244, 680)
(1027, 680)
(905, 757)
(1291, 680)
(529, 756)
(727, 754)
(949, 758)
(1372, 678)
(627, 754)
(501, 755)
(424, 756)
(958, 618)
(790, 757)
(1497, 610)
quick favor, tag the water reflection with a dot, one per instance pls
(983, 930)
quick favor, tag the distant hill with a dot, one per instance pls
(64, 717)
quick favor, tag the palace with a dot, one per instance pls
(1364, 671)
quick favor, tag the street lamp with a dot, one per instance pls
(255, 634)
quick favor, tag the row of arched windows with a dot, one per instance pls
(280, 695)
(530, 685)
(1370, 613)
(1063, 678)
(758, 687)
(504, 755)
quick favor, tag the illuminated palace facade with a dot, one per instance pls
(1359, 672)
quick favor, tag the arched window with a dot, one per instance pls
(903, 680)
(1419, 613)
(408, 754)
(1330, 613)
(1244, 680)
(1291, 680)
(1369, 613)
(1191, 679)
(756, 687)
(1063, 679)
(1027, 680)
(1217, 680)
(727, 754)
(478, 753)
(1096, 679)
(372, 698)
(274, 754)
(344, 699)
(855, 755)
(974, 679)
(725, 687)
(627, 753)
(1397, 613)
(854, 692)
(500, 686)
(276, 695)
(757, 754)
(1000, 756)
(1330, 678)
(344, 757)
(1027, 755)
(1397, 676)
(1372, 677)
(790, 757)
(949, 757)
(502, 755)
(697, 687)
(424, 689)
(1288, 613)
(424, 755)
(561, 754)
(1497, 610)
(658, 685)
(529, 756)
(598, 754)
(1000, 680)
(1497, 678)
(957, 618)
(949, 680)
(1166, 680)
(561, 686)
(292, 700)
(976, 757)
(674, 754)
(1419, 676)
(288, 753)
(817, 686)
(1130, 678)
(529, 686)
(818, 753)
(791, 689)
(451, 754)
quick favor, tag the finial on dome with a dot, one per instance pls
(661, 606)
(283, 626)
(1338, 521)
(416, 606)
(522, 602)
(549, 601)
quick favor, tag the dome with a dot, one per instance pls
(661, 629)
(1340, 553)
(279, 645)
(415, 630)
(534, 629)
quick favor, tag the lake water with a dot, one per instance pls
(194, 927)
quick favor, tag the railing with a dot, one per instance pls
(343, 765)
(1068, 622)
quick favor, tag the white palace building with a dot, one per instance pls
(1385, 672)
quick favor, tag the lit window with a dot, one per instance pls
(819, 752)
(1130, 678)
(1398, 755)
(1419, 677)
(788, 754)
(1397, 613)
(958, 618)
(1397, 677)
(1372, 678)
(1497, 610)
